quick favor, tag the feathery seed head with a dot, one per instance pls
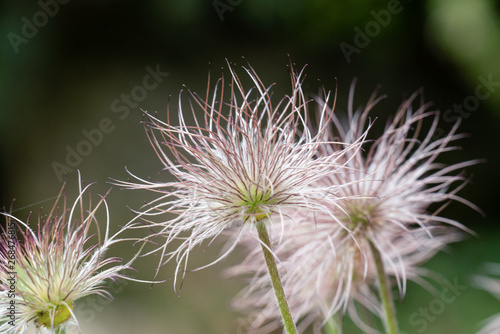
(246, 158)
(50, 267)
(406, 179)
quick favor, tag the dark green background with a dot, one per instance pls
(64, 79)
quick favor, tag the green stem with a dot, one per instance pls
(390, 321)
(275, 279)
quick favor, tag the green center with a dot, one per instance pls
(359, 215)
(253, 199)
(60, 314)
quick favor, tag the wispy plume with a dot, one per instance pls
(246, 159)
(45, 269)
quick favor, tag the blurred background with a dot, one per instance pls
(75, 74)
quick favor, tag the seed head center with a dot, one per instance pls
(59, 314)
(255, 199)
(360, 215)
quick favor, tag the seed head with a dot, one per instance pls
(247, 160)
(51, 266)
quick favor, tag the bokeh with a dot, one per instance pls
(75, 75)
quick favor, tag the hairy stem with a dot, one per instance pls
(390, 320)
(275, 279)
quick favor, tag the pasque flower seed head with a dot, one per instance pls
(246, 159)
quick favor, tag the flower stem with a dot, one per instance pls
(390, 320)
(275, 279)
